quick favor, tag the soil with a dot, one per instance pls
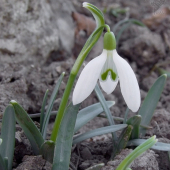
(40, 40)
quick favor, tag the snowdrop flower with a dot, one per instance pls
(110, 69)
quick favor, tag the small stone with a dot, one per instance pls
(86, 154)
(58, 69)
(84, 165)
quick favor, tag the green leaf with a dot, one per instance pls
(169, 155)
(135, 122)
(137, 22)
(137, 152)
(126, 24)
(105, 108)
(97, 14)
(96, 167)
(118, 11)
(145, 126)
(92, 40)
(114, 117)
(122, 140)
(35, 115)
(119, 34)
(163, 71)
(160, 146)
(30, 129)
(94, 37)
(50, 105)
(134, 21)
(42, 115)
(150, 102)
(8, 135)
(6, 162)
(47, 150)
(64, 139)
(88, 113)
(2, 164)
(99, 131)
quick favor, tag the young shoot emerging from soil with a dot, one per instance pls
(109, 68)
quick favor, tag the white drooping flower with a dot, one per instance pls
(109, 68)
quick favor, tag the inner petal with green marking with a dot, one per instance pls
(109, 68)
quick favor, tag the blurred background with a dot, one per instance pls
(40, 39)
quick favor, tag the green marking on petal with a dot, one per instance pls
(104, 75)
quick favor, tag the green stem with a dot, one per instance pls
(107, 27)
(86, 49)
(63, 106)
(84, 52)
(126, 115)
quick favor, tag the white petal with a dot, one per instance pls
(88, 78)
(128, 83)
(109, 85)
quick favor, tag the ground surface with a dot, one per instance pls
(40, 40)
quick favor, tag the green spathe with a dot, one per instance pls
(109, 41)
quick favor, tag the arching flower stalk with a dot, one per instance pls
(109, 68)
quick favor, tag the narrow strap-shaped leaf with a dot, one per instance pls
(88, 113)
(97, 14)
(64, 139)
(47, 150)
(163, 71)
(8, 135)
(123, 28)
(122, 140)
(30, 129)
(135, 122)
(105, 108)
(96, 167)
(42, 115)
(99, 131)
(99, 18)
(114, 117)
(135, 153)
(35, 115)
(124, 137)
(134, 21)
(126, 24)
(158, 146)
(2, 164)
(123, 120)
(6, 162)
(150, 102)
(146, 127)
(50, 105)
(87, 47)
(126, 115)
